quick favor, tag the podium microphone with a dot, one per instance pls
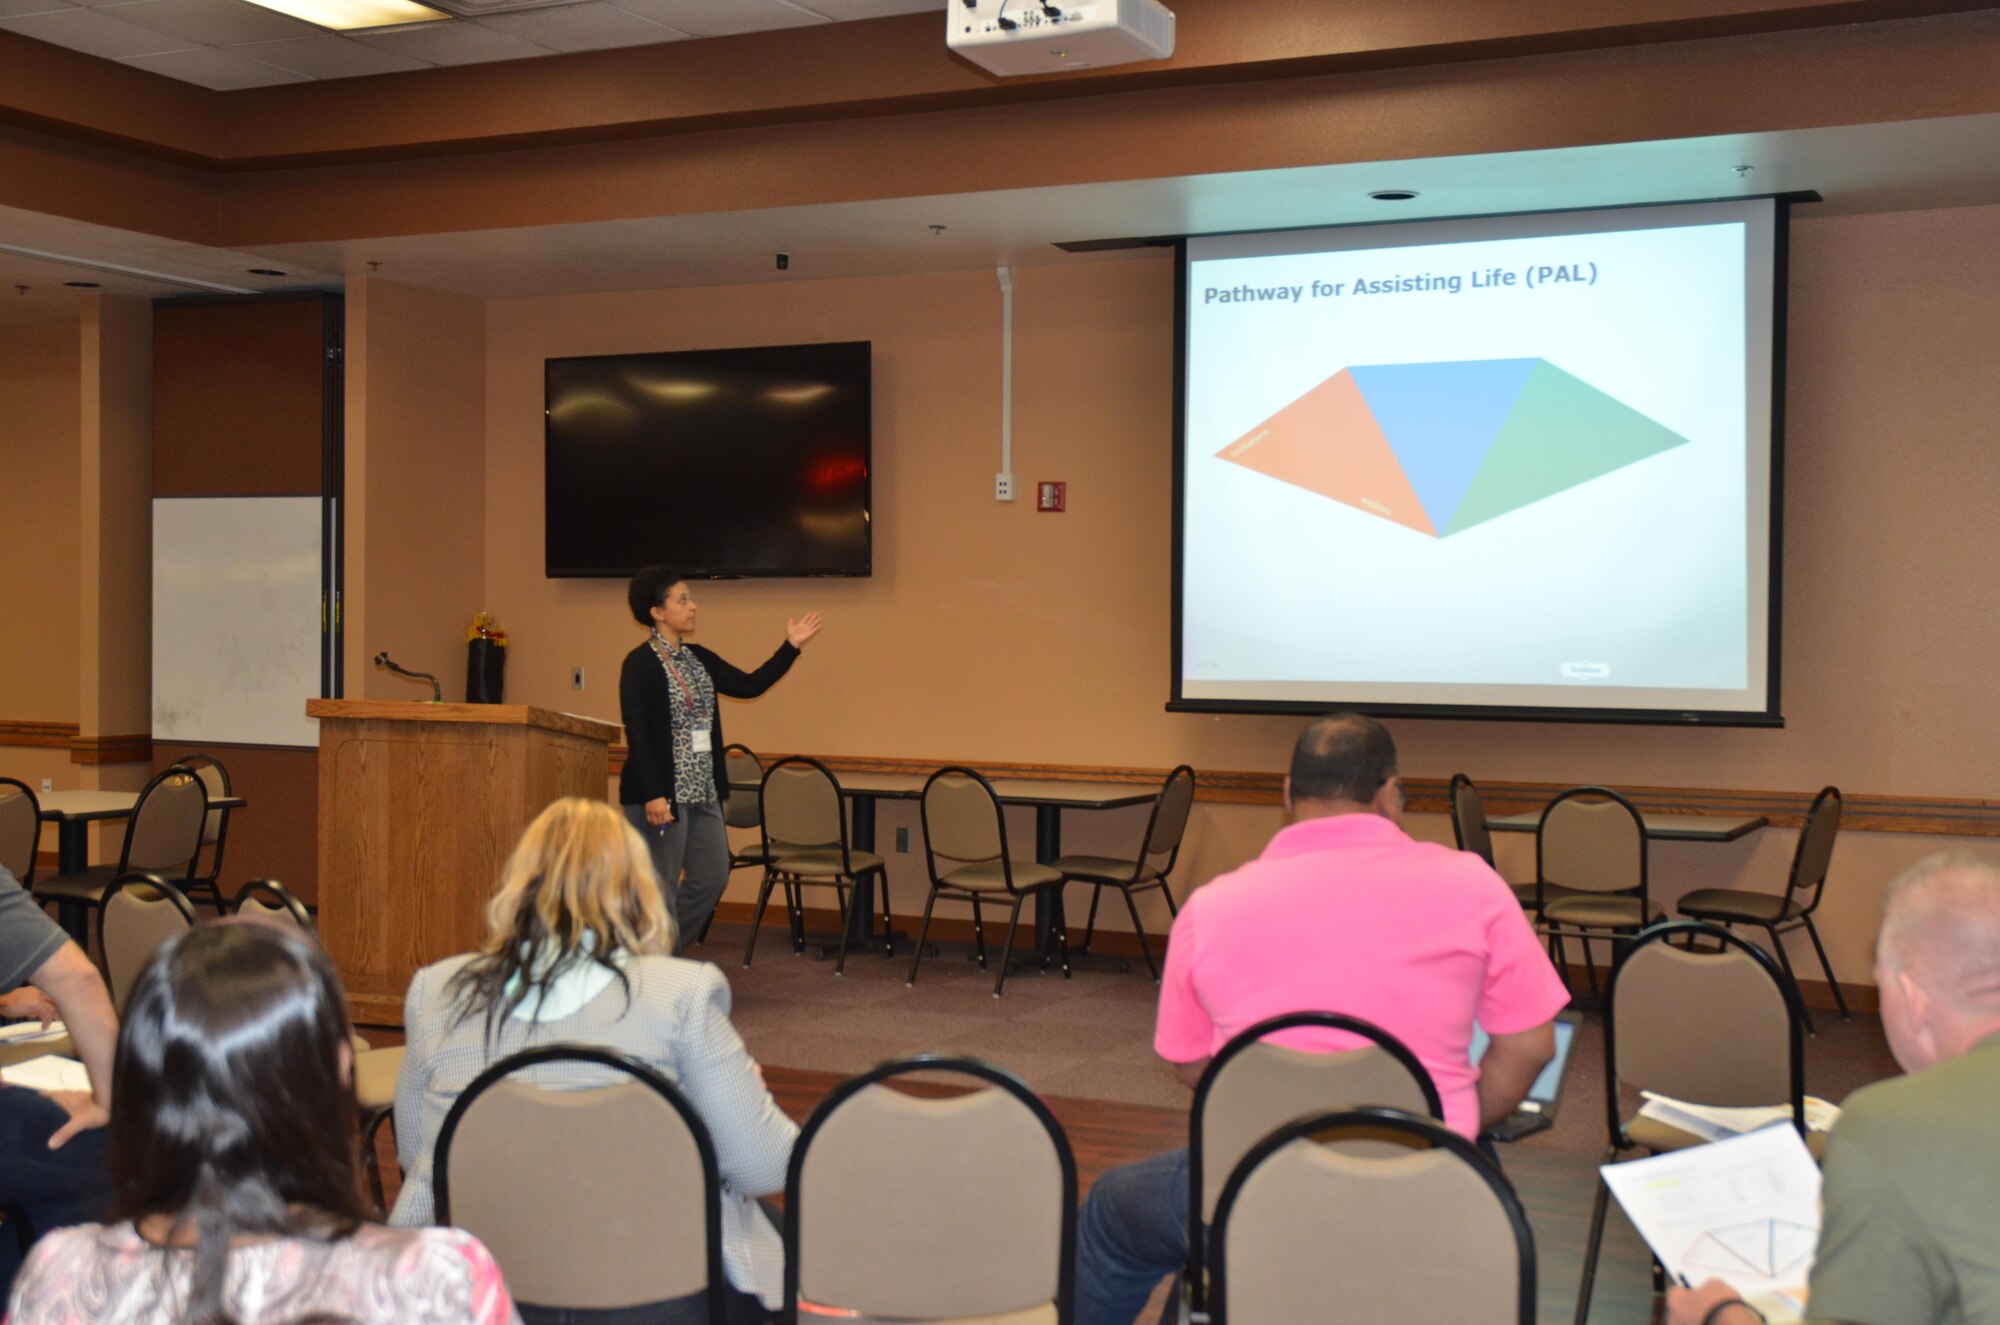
(382, 659)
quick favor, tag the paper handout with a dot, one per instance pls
(47, 1073)
(1744, 1210)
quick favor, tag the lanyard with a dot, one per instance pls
(660, 647)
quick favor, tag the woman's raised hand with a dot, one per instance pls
(803, 629)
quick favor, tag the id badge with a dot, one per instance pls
(699, 741)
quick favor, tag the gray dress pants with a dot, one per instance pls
(692, 857)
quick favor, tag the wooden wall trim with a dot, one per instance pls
(47, 735)
(1937, 815)
(135, 749)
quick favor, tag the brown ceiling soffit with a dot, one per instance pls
(842, 71)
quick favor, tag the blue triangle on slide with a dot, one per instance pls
(1440, 419)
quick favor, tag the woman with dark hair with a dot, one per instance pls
(674, 778)
(233, 1164)
(578, 950)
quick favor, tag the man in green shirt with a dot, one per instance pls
(1911, 1231)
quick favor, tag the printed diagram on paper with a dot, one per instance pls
(1744, 1210)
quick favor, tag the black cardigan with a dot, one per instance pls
(645, 705)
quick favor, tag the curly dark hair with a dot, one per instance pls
(648, 590)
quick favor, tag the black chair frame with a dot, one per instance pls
(66, 906)
(1776, 929)
(741, 860)
(1557, 951)
(795, 885)
(1457, 827)
(993, 1075)
(211, 882)
(34, 805)
(711, 1171)
(974, 895)
(1196, 1272)
(1689, 930)
(1138, 883)
(1376, 1119)
(276, 895)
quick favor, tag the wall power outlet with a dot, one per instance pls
(1003, 487)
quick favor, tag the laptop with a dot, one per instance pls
(1538, 1110)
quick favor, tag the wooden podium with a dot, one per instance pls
(419, 806)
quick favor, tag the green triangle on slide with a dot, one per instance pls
(1561, 432)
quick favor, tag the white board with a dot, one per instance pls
(236, 619)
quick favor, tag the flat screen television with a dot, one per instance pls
(720, 463)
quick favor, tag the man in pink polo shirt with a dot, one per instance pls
(1342, 913)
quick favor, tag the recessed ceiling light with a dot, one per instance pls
(1393, 195)
(264, 271)
(346, 15)
(83, 285)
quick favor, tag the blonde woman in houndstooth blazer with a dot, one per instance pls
(578, 949)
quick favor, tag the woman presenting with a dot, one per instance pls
(674, 777)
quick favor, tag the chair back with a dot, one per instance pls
(165, 833)
(931, 1208)
(1251, 1087)
(20, 829)
(1814, 855)
(1592, 840)
(215, 781)
(1468, 819)
(1170, 816)
(1663, 1006)
(1305, 1231)
(600, 1198)
(743, 803)
(961, 819)
(801, 805)
(140, 912)
(269, 900)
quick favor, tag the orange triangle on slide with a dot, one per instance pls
(1328, 442)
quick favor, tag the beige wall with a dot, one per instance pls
(40, 413)
(416, 488)
(994, 632)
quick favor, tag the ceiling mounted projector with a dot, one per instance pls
(1010, 37)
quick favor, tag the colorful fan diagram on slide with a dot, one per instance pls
(1767, 1248)
(1441, 447)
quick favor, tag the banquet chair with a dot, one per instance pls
(137, 913)
(1428, 1231)
(603, 1198)
(931, 1209)
(964, 826)
(1781, 913)
(20, 830)
(375, 1070)
(1147, 869)
(1252, 1086)
(206, 888)
(1590, 873)
(1469, 831)
(1660, 1005)
(805, 843)
(162, 837)
(743, 807)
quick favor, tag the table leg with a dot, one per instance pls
(861, 837)
(1048, 902)
(73, 857)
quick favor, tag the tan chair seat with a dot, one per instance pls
(1524, 893)
(1108, 868)
(1739, 905)
(375, 1072)
(1601, 911)
(1660, 1137)
(82, 886)
(825, 862)
(988, 876)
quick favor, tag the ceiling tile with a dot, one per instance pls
(849, 9)
(328, 56)
(455, 41)
(586, 27)
(93, 33)
(15, 8)
(718, 18)
(210, 22)
(222, 70)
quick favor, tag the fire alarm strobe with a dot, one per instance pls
(1009, 37)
